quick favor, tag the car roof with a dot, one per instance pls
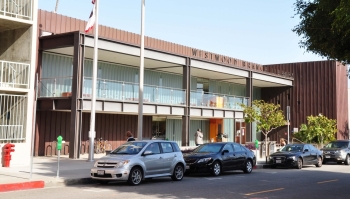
(152, 141)
(340, 141)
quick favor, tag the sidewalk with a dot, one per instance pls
(45, 171)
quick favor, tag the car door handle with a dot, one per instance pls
(175, 155)
(160, 157)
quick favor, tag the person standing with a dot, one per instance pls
(129, 136)
(198, 137)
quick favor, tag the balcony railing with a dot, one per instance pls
(13, 110)
(14, 75)
(21, 9)
(126, 91)
(56, 87)
(215, 100)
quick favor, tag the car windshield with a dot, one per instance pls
(208, 148)
(337, 145)
(129, 148)
(292, 148)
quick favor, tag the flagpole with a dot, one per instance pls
(92, 132)
(140, 114)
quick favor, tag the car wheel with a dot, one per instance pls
(347, 160)
(178, 173)
(216, 170)
(248, 167)
(340, 162)
(135, 176)
(319, 162)
(300, 163)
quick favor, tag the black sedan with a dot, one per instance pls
(297, 155)
(218, 157)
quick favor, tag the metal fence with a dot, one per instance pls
(12, 117)
(21, 9)
(14, 74)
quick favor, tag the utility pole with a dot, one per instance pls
(57, 1)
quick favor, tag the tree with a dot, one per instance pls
(324, 28)
(267, 116)
(319, 129)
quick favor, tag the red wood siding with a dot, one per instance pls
(318, 87)
(111, 127)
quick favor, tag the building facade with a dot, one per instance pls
(18, 39)
(185, 88)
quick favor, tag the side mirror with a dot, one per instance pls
(278, 149)
(306, 150)
(224, 151)
(147, 153)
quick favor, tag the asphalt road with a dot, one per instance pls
(329, 181)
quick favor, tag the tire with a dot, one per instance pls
(300, 163)
(248, 167)
(135, 176)
(319, 162)
(178, 173)
(339, 162)
(347, 160)
(216, 170)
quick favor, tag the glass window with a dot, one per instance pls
(306, 146)
(228, 147)
(237, 147)
(129, 148)
(175, 147)
(166, 147)
(312, 148)
(154, 147)
(208, 148)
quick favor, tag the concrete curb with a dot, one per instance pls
(22, 186)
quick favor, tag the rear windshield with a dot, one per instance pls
(129, 148)
(209, 148)
(337, 145)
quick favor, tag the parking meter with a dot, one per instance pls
(59, 142)
(256, 144)
(59, 147)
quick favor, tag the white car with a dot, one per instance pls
(138, 160)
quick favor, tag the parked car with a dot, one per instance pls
(296, 155)
(138, 160)
(218, 157)
(337, 151)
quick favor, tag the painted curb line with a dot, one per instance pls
(22, 186)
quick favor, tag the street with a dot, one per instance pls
(329, 181)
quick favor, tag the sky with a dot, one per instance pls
(255, 31)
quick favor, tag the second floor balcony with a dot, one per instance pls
(21, 9)
(14, 75)
(128, 91)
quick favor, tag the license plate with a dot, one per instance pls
(278, 161)
(327, 156)
(100, 172)
(187, 167)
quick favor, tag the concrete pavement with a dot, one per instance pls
(71, 171)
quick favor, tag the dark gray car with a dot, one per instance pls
(137, 160)
(337, 151)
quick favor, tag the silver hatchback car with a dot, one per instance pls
(137, 160)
